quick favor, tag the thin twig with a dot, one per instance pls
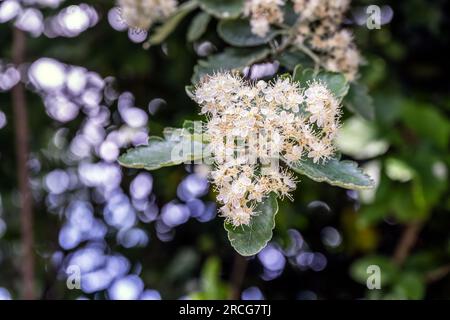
(312, 55)
(407, 241)
(437, 274)
(404, 247)
(237, 276)
(22, 149)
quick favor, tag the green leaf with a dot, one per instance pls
(290, 59)
(359, 138)
(431, 181)
(183, 264)
(289, 15)
(162, 32)
(177, 147)
(251, 239)
(229, 59)
(211, 285)
(427, 122)
(238, 33)
(345, 174)
(398, 170)
(335, 82)
(198, 26)
(410, 286)
(223, 9)
(389, 272)
(359, 101)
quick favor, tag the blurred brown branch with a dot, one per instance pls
(237, 276)
(22, 150)
(437, 274)
(407, 241)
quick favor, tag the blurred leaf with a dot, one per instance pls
(431, 179)
(358, 138)
(229, 59)
(404, 205)
(335, 82)
(374, 73)
(357, 237)
(359, 101)
(198, 26)
(387, 107)
(427, 122)
(431, 16)
(394, 199)
(163, 31)
(423, 261)
(374, 295)
(211, 282)
(371, 214)
(182, 264)
(345, 174)
(398, 170)
(290, 59)
(251, 239)
(212, 287)
(289, 15)
(409, 286)
(238, 33)
(389, 272)
(223, 9)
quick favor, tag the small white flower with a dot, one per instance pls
(262, 14)
(260, 27)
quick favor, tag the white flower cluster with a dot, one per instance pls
(262, 14)
(251, 125)
(319, 27)
(142, 14)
